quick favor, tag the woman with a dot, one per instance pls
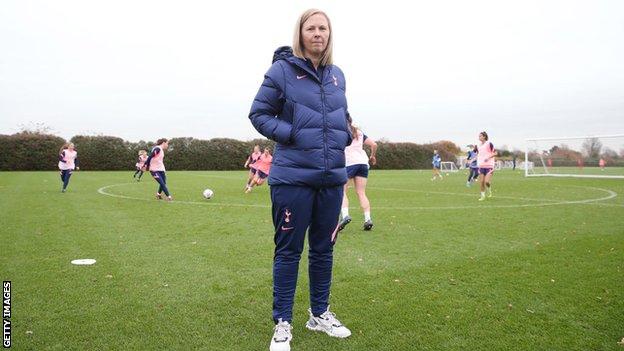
(357, 171)
(263, 169)
(139, 165)
(436, 161)
(485, 160)
(68, 162)
(156, 166)
(302, 106)
(471, 163)
(251, 163)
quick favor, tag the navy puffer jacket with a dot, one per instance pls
(304, 111)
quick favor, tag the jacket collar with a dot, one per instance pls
(285, 53)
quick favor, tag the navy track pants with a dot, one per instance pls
(65, 175)
(161, 178)
(295, 210)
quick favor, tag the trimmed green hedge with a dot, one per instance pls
(38, 151)
(28, 151)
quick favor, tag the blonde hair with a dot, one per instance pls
(298, 48)
(142, 152)
(66, 146)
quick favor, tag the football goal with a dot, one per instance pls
(448, 166)
(583, 156)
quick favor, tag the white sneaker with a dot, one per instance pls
(489, 192)
(327, 323)
(281, 336)
(482, 197)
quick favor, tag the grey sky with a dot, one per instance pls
(416, 70)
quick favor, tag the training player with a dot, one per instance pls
(471, 162)
(357, 172)
(139, 165)
(436, 161)
(263, 168)
(68, 162)
(156, 166)
(485, 160)
(251, 163)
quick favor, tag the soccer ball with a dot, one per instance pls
(208, 193)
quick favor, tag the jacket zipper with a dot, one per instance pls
(324, 127)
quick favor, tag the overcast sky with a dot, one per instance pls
(416, 70)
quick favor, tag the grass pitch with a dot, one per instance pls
(540, 266)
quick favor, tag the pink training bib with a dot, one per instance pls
(156, 163)
(69, 158)
(254, 160)
(354, 153)
(264, 164)
(485, 155)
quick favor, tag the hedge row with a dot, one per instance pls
(38, 151)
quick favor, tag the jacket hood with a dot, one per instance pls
(282, 53)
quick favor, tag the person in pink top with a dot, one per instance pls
(251, 163)
(602, 164)
(357, 164)
(263, 167)
(139, 165)
(485, 161)
(68, 162)
(156, 166)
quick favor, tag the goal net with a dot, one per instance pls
(586, 156)
(448, 166)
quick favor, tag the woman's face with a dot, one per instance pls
(315, 35)
(165, 145)
(256, 148)
(481, 137)
(70, 146)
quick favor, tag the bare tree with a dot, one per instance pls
(609, 153)
(591, 147)
(35, 128)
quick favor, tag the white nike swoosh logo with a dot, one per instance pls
(287, 228)
(301, 77)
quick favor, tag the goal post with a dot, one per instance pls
(448, 166)
(594, 156)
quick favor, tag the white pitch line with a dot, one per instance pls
(461, 194)
(102, 191)
(611, 195)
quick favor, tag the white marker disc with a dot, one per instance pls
(83, 262)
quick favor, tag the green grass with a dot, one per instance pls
(540, 266)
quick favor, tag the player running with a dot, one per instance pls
(251, 163)
(357, 172)
(263, 168)
(68, 162)
(139, 165)
(485, 160)
(436, 161)
(471, 163)
(156, 166)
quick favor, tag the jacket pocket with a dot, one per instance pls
(338, 131)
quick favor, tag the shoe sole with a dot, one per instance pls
(319, 329)
(343, 224)
(367, 228)
(276, 348)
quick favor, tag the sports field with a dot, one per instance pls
(539, 266)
